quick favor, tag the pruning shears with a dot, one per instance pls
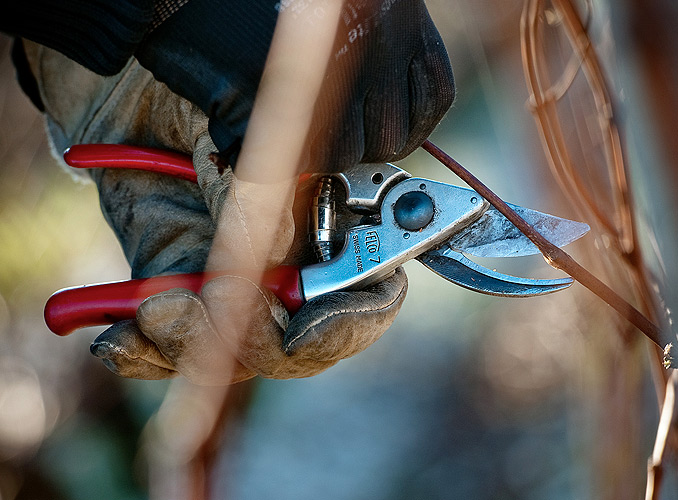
(436, 223)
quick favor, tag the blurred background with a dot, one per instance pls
(466, 396)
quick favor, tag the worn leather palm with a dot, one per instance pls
(233, 329)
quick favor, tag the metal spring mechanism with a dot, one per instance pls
(322, 219)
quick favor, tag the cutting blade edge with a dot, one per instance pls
(493, 235)
(461, 271)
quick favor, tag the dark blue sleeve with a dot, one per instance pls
(101, 35)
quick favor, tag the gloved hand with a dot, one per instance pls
(165, 224)
(388, 83)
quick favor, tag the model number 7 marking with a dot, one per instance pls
(372, 245)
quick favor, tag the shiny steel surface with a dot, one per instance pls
(322, 219)
(370, 252)
(461, 221)
(493, 235)
(456, 268)
(367, 185)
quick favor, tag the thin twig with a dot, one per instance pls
(556, 257)
(655, 466)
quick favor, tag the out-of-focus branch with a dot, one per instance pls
(226, 425)
(653, 30)
(544, 96)
(667, 420)
(616, 221)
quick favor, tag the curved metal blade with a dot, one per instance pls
(493, 235)
(456, 268)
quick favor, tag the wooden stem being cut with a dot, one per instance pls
(556, 257)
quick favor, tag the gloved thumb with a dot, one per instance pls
(255, 224)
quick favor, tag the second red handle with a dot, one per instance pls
(93, 305)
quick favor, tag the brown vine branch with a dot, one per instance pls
(575, 174)
(556, 257)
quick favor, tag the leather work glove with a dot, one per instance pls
(234, 329)
(387, 85)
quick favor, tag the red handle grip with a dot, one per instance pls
(106, 303)
(160, 161)
(102, 304)
(135, 157)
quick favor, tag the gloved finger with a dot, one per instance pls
(253, 324)
(386, 118)
(338, 142)
(338, 325)
(432, 89)
(201, 337)
(250, 320)
(129, 353)
(246, 214)
(177, 321)
(236, 329)
(256, 225)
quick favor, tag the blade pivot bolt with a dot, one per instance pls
(413, 210)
